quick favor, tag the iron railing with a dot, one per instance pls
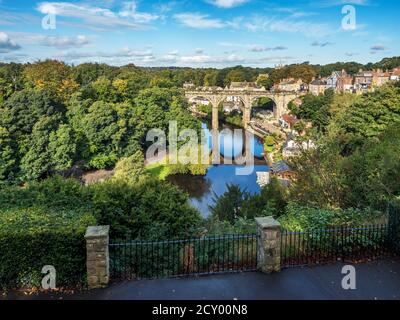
(345, 244)
(394, 225)
(171, 258)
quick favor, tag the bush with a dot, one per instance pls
(301, 218)
(33, 237)
(151, 210)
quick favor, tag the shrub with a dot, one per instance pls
(301, 218)
(151, 210)
(33, 237)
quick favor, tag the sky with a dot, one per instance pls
(199, 33)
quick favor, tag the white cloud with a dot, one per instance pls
(311, 29)
(129, 11)
(330, 3)
(128, 16)
(227, 3)
(294, 13)
(199, 21)
(259, 48)
(50, 41)
(206, 59)
(64, 42)
(6, 44)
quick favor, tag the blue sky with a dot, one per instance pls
(198, 33)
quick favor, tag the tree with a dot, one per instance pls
(102, 131)
(235, 75)
(104, 89)
(265, 81)
(24, 108)
(8, 156)
(36, 162)
(48, 74)
(62, 147)
(316, 109)
(372, 173)
(210, 79)
(131, 169)
(12, 79)
(371, 116)
(86, 73)
(228, 207)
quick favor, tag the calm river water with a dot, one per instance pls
(201, 189)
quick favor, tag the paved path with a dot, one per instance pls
(377, 280)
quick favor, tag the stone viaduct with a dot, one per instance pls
(216, 95)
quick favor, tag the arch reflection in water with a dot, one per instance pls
(233, 145)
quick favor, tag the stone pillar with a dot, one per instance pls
(97, 256)
(247, 104)
(215, 123)
(246, 116)
(215, 133)
(269, 245)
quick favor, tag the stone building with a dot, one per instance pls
(318, 87)
(290, 84)
(345, 83)
(363, 81)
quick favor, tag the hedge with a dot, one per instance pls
(33, 237)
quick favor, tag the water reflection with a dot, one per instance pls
(233, 144)
(201, 189)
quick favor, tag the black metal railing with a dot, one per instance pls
(155, 259)
(345, 244)
(394, 225)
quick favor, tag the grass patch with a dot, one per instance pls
(161, 171)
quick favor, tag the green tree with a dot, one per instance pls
(8, 156)
(62, 148)
(102, 131)
(131, 169)
(228, 206)
(36, 162)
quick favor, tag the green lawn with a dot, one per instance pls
(161, 171)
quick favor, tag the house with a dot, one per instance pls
(232, 103)
(395, 74)
(188, 85)
(242, 86)
(331, 81)
(379, 78)
(287, 121)
(200, 101)
(345, 83)
(318, 87)
(281, 170)
(293, 148)
(363, 81)
(290, 84)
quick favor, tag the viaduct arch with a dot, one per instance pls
(217, 95)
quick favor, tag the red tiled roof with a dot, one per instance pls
(290, 119)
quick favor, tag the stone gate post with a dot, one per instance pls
(97, 256)
(269, 245)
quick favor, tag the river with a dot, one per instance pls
(201, 189)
